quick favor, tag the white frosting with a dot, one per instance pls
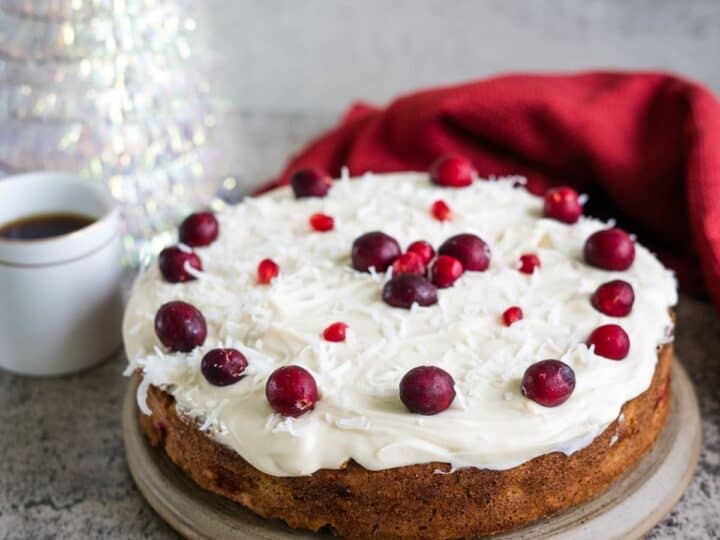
(360, 417)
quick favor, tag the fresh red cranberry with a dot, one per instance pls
(199, 229)
(409, 263)
(291, 391)
(180, 326)
(472, 251)
(562, 203)
(322, 222)
(512, 315)
(445, 271)
(610, 341)
(374, 249)
(427, 390)
(423, 249)
(335, 332)
(223, 367)
(452, 171)
(267, 271)
(611, 249)
(407, 289)
(441, 211)
(548, 382)
(528, 263)
(310, 183)
(614, 298)
(174, 263)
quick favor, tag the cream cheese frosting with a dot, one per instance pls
(359, 416)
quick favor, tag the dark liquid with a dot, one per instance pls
(41, 226)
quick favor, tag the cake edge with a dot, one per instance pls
(417, 501)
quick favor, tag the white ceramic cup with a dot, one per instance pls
(60, 297)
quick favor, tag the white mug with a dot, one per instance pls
(60, 297)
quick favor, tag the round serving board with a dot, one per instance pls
(631, 507)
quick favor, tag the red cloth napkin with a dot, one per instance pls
(645, 147)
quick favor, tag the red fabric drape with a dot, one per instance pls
(644, 146)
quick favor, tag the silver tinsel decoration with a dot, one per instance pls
(109, 89)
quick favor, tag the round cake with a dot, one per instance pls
(407, 355)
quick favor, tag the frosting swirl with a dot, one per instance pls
(360, 416)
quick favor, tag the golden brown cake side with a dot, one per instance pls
(415, 502)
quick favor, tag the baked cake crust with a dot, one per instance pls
(415, 502)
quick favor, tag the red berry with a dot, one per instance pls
(374, 249)
(424, 249)
(310, 183)
(291, 391)
(614, 298)
(322, 222)
(267, 271)
(427, 390)
(222, 367)
(335, 332)
(512, 315)
(528, 263)
(199, 229)
(407, 289)
(452, 171)
(180, 326)
(174, 264)
(408, 263)
(445, 271)
(441, 211)
(610, 249)
(548, 382)
(610, 341)
(562, 203)
(472, 251)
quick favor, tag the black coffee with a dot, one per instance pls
(39, 226)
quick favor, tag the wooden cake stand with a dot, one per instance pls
(630, 508)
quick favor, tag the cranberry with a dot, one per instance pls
(611, 249)
(512, 315)
(223, 367)
(322, 222)
(424, 249)
(406, 289)
(180, 326)
(614, 298)
(548, 382)
(452, 171)
(441, 211)
(374, 249)
(267, 271)
(335, 332)
(445, 271)
(562, 203)
(472, 251)
(174, 263)
(199, 229)
(610, 341)
(408, 263)
(427, 390)
(528, 263)
(310, 183)
(291, 391)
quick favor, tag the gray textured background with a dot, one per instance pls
(291, 62)
(289, 68)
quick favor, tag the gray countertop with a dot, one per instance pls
(64, 474)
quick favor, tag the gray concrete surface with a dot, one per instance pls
(288, 68)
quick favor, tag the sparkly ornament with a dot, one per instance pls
(110, 90)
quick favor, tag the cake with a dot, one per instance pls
(403, 355)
